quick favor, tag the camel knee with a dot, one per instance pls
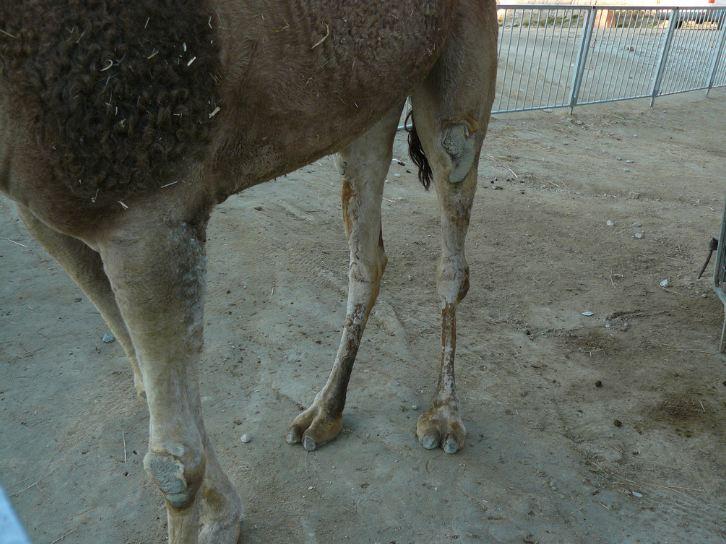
(461, 144)
(453, 280)
(178, 472)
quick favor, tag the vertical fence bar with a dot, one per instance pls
(567, 56)
(582, 56)
(717, 53)
(652, 59)
(663, 55)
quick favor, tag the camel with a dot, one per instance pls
(122, 125)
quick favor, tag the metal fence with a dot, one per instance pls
(553, 56)
(719, 277)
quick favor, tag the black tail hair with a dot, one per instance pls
(416, 152)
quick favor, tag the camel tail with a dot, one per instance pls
(416, 152)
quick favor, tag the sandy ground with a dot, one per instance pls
(545, 461)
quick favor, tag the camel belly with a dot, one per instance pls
(305, 79)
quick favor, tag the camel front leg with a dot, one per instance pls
(157, 271)
(85, 268)
(364, 165)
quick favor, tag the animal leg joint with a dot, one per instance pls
(453, 282)
(459, 143)
(178, 480)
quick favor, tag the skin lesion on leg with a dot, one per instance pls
(441, 424)
(323, 420)
(462, 146)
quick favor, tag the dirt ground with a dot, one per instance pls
(600, 429)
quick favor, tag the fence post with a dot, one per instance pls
(582, 57)
(663, 55)
(717, 53)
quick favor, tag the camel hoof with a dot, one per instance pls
(314, 427)
(441, 421)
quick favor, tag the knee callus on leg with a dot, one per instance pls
(178, 474)
(461, 145)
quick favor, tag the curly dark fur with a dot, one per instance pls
(115, 100)
(416, 152)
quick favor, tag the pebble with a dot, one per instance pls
(108, 338)
(638, 235)
(618, 423)
(664, 283)
(588, 313)
(610, 223)
(414, 407)
(245, 438)
(636, 494)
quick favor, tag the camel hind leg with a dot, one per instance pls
(451, 111)
(364, 165)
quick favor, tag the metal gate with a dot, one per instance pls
(555, 56)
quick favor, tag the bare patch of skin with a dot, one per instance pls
(460, 144)
(345, 196)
